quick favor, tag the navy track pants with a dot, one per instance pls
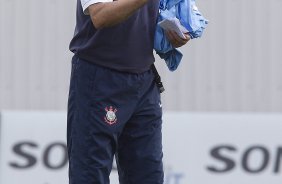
(113, 113)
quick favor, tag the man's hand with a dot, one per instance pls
(176, 40)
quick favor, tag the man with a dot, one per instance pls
(114, 104)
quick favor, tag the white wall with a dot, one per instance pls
(236, 66)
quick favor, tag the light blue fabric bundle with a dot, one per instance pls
(189, 16)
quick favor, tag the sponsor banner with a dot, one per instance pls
(33, 149)
(198, 148)
(223, 148)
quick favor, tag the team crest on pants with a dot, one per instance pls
(110, 117)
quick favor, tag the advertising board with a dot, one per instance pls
(199, 148)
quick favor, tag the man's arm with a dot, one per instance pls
(111, 13)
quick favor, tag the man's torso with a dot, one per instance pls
(126, 47)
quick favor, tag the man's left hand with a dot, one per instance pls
(176, 40)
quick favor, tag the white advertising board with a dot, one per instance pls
(223, 148)
(33, 149)
(199, 148)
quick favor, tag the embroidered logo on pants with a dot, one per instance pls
(110, 117)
